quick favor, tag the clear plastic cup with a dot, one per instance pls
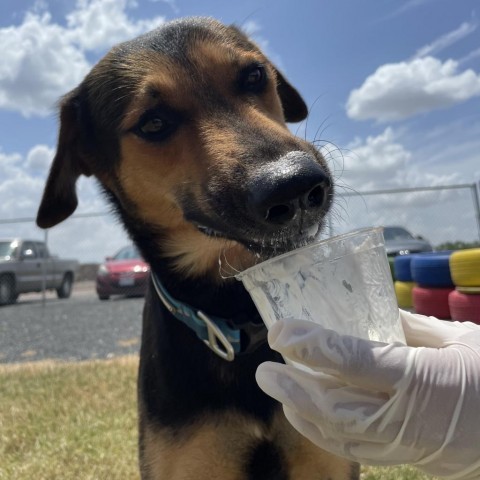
(343, 283)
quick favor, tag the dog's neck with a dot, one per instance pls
(224, 302)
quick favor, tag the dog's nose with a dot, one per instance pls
(294, 183)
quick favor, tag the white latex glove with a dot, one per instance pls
(382, 404)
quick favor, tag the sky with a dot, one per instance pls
(393, 89)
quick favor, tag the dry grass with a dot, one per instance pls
(68, 421)
(77, 421)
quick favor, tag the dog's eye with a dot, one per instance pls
(253, 79)
(153, 125)
(156, 127)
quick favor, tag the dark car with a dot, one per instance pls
(399, 241)
(126, 273)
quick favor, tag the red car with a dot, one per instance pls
(126, 273)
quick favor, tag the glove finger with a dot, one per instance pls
(357, 450)
(422, 331)
(372, 365)
(326, 401)
(280, 382)
(329, 441)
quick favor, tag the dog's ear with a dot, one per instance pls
(59, 199)
(294, 108)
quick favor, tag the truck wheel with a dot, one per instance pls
(7, 290)
(65, 289)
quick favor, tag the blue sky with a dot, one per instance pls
(394, 84)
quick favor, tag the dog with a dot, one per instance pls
(184, 129)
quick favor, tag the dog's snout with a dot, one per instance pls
(293, 184)
(300, 196)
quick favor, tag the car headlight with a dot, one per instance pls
(140, 268)
(102, 270)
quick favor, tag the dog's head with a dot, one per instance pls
(185, 129)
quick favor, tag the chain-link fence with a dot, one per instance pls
(441, 214)
(90, 246)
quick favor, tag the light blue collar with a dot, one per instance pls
(213, 331)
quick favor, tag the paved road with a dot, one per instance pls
(81, 327)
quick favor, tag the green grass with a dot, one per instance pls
(78, 421)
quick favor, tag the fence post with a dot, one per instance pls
(44, 265)
(476, 203)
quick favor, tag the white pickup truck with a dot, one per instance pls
(27, 266)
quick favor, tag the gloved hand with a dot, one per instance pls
(384, 404)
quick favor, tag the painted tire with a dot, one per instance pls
(432, 301)
(432, 269)
(402, 268)
(403, 290)
(392, 268)
(464, 307)
(465, 267)
(469, 290)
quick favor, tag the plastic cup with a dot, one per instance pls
(343, 283)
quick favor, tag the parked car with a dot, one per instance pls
(126, 273)
(27, 266)
(399, 241)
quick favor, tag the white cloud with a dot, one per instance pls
(99, 24)
(399, 90)
(39, 158)
(19, 190)
(39, 64)
(406, 6)
(466, 28)
(383, 162)
(371, 163)
(23, 180)
(470, 56)
(42, 60)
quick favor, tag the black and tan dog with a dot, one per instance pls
(184, 128)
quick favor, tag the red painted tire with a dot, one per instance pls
(432, 301)
(464, 307)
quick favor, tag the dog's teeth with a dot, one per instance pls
(312, 231)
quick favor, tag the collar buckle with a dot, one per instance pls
(216, 338)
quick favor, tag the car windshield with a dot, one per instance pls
(397, 233)
(127, 253)
(7, 249)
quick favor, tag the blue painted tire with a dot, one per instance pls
(402, 268)
(432, 269)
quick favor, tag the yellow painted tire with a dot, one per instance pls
(469, 290)
(403, 290)
(465, 267)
